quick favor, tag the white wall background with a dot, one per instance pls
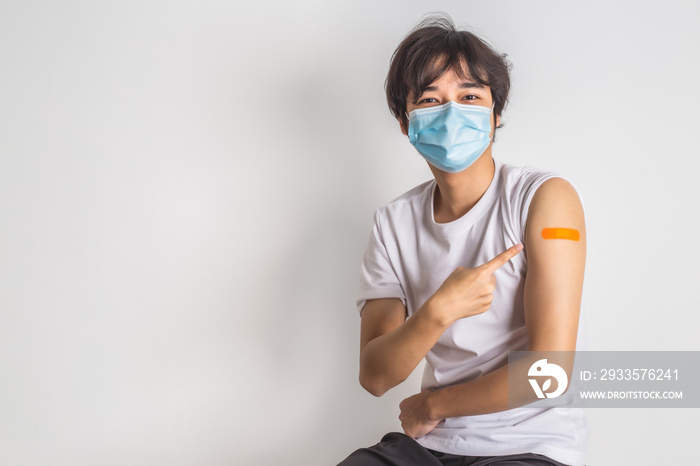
(186, 190)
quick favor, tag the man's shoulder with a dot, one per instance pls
(515, 175)
(523, 181)
(412, 198)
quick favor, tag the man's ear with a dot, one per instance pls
(404, 127)
(498, 121)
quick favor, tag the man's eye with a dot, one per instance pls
(470, 97)
(427, 100)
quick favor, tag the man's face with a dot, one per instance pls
(450, 86)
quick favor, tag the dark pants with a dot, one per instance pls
(400, 450)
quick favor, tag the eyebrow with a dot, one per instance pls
(462, 85)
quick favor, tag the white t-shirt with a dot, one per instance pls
(410, 255)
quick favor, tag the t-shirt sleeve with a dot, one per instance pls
(378, 278)
(530, 188)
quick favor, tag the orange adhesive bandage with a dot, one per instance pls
(560, 233)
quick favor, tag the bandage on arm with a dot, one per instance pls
(561, 233)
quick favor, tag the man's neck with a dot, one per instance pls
(457, 193)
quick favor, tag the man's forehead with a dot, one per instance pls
(462, 83)
(458, 71)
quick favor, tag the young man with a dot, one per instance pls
(460, 271)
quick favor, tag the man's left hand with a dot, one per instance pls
(415, 418)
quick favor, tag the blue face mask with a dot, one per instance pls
(450, 136)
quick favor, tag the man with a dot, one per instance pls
(461, 270)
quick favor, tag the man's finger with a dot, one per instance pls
(502, 258)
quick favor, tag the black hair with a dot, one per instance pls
(435, 46)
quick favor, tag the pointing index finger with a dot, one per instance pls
(498, 261)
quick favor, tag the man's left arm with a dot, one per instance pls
(552, 300)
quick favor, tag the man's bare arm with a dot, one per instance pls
(391, 346)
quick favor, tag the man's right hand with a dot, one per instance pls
(468, 292)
